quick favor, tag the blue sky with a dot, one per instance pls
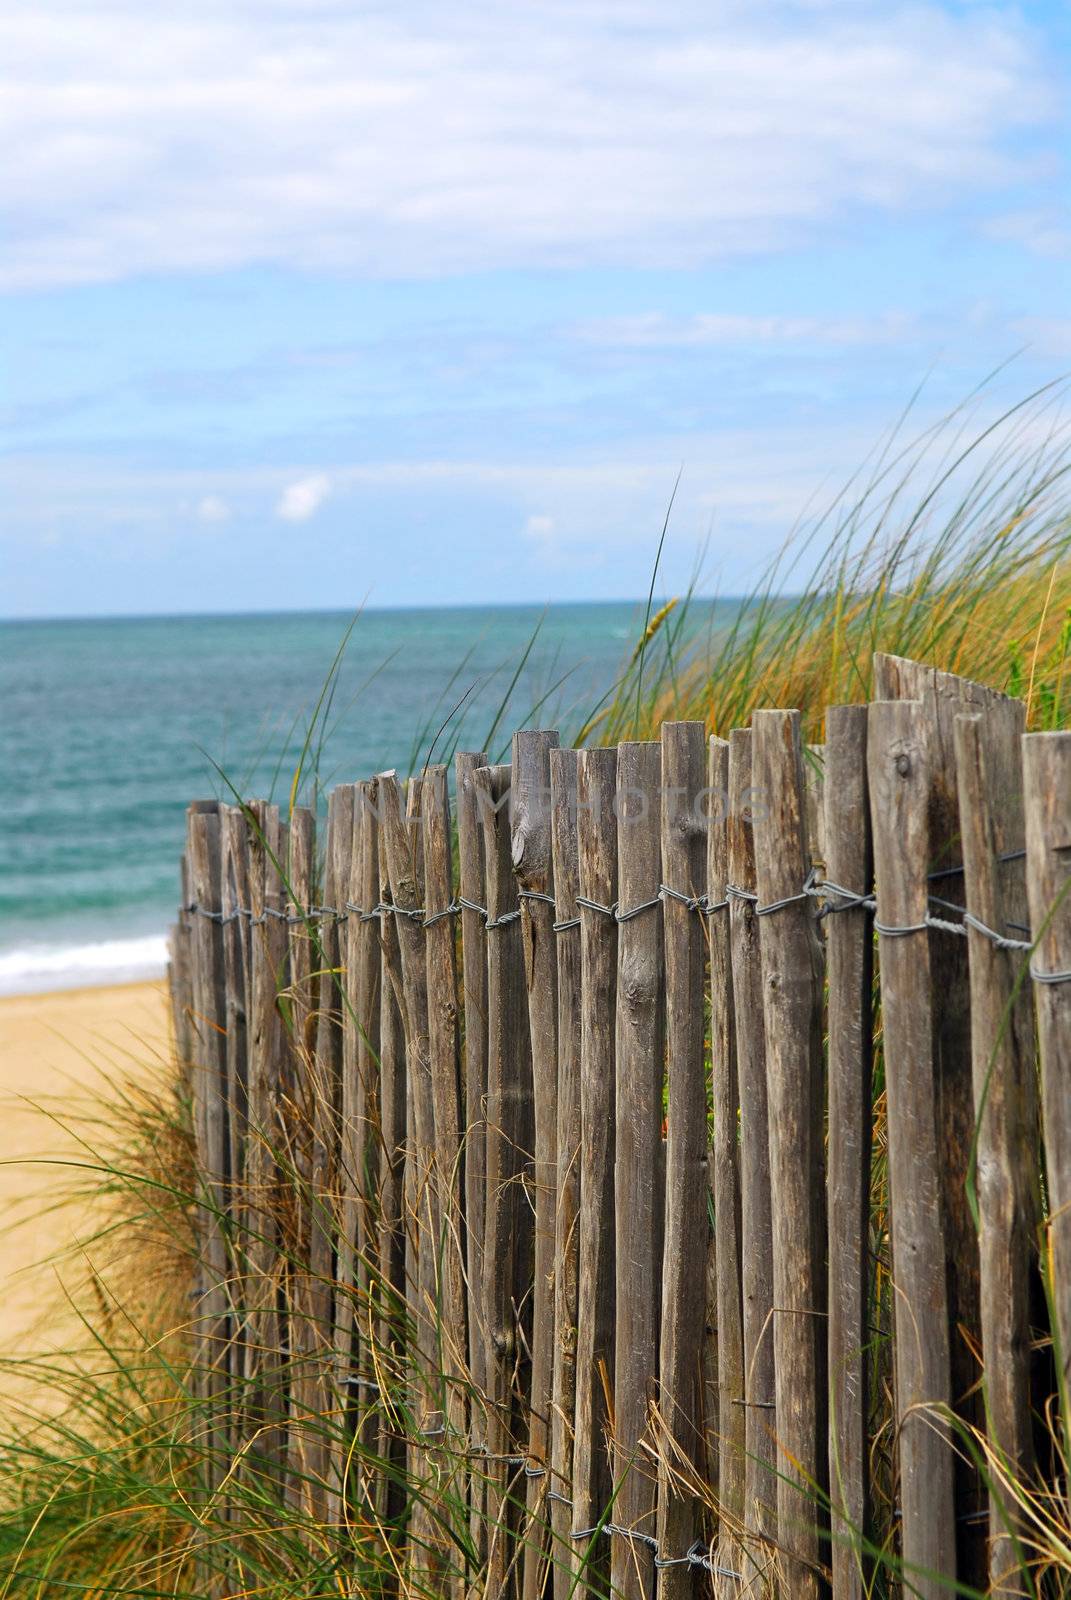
(312, 301)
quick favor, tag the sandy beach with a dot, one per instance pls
(58, 1050)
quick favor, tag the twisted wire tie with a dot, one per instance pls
(691, 902)
(488, 921)
(430, 919)
(695, 1556)
(789, 899)
(615, 910)
(566, 923)
(536, 894)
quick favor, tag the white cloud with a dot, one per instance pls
(413, 140)
(539, 528)
(212, 508)
(301, 500)
(1044, 232)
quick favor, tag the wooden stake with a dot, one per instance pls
(508, 1237)
(849, 955)
(1005, 1096)
(899, 780)
(725, 1156)
(1047, 781)
(596, 784)
(684, 867)
(563, 787)
(530, 827)
(756, 1225)
(638, 1193)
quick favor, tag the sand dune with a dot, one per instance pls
(56, 1051)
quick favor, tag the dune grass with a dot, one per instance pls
(953, 548)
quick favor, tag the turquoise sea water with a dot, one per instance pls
(111, 727)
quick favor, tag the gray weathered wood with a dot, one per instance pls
(474, 1001)
(563, 770)
(792, 1000)
(756, 1225)
(1047, 786)
(444, 1059)
(684, 869)
(209, 1080)
(508, 1232)
(265, 1380)
(234, 898)
(1005, 1097)
(899, 778)
(234, 901)
(945, 696)
(399, 817)
(405, 861)
(303, 1390)
(393, 1285)
(530, 828)
(638, 1193)
(365, 955)
(327, 1078)
(725, 1157)
(849, 958)
(596, 783)
(350, 1146)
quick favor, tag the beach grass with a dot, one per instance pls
(953, 547)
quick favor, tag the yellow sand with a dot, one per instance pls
(55, 1050)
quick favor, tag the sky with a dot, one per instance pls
(309, 303)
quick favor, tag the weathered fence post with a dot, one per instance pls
(849, 965)
(792, 998)
(444, 1061)
(394, 1287)
(471, 897)
(403, 837)
(1005, 1096)
(638, 1189)
(508, 1236)
(1047, 781)
(531, 848)
(725, 1155)
(365, 959)
(756, 1225)
(899, 781)
(683, 827)
(209, 1079)
(944, 696)
(327, 1077)
(566, 928)
(304, 1393)
(596, 789)
(349, 1156)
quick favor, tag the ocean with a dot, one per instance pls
(112, 726)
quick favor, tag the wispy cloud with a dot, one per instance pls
(656, 330)
(1044, 231)
(213, 508)
(301, 500)
(416, 141)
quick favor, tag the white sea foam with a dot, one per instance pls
(31, 968)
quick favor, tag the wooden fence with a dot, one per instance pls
(655, 1176)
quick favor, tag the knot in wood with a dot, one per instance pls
(903, 764)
